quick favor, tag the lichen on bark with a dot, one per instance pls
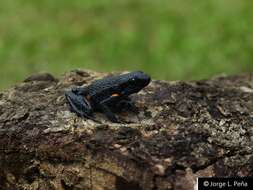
(182, 130)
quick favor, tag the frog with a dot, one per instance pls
(106, 94)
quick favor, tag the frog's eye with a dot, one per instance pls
(132, 80)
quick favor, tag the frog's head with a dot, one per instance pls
(135, 81)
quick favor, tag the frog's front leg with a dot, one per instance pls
(104, 107)
(79, 104)
(126, 104)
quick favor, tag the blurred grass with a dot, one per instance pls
(170, 40)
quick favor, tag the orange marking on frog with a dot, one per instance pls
(115, 95)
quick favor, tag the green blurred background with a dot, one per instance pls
(172, 40)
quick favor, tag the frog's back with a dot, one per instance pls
(104, 85)
(113, 84)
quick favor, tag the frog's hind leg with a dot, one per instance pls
(79, 105)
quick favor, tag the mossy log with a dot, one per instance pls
(182, 130)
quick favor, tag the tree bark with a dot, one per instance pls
(182, 130)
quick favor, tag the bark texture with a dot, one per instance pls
(182, 130)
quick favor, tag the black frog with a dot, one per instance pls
(106, 94)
